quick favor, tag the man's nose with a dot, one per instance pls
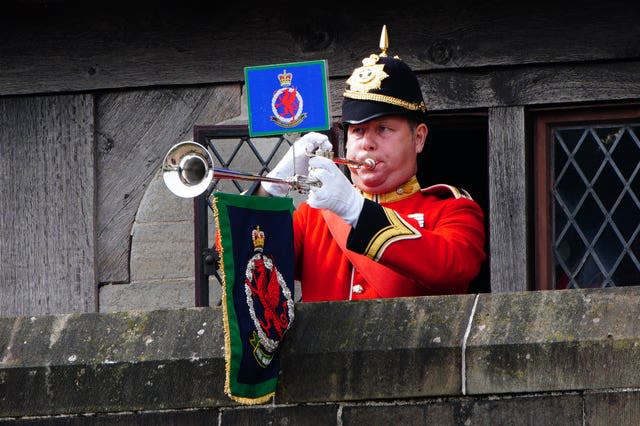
(368, 142)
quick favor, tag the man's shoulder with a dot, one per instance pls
(443, 191)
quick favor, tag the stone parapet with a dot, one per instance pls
(447, 358)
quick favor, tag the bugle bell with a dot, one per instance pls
(188, 169)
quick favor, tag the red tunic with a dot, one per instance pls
(426, 242)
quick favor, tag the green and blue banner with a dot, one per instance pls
(255, 242)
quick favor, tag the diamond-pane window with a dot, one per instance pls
(596, 205)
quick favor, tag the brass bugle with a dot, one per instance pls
(188, 171)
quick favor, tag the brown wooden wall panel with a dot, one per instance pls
(135, 129)
(47, 192)
(509, 251)
(70, 46)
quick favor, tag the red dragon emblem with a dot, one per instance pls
(269, 301)
(287, 104)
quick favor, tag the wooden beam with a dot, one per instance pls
(68, 46)
(509, 248)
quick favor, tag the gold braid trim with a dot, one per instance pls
(386, 99)
(397, 230)
(405, 190)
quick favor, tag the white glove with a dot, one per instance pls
(295, 161)
(336, 193)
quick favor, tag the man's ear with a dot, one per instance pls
(421, 136)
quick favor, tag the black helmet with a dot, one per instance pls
(382, 86)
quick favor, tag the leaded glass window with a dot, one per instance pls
(595, 197)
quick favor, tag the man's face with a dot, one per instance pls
(390, 141)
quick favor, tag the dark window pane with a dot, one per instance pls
(634, 248)
(559, 157)
(622, 155)
(570, 188)
(570, 137)
(609, 135)
(589, 217)
(590, 275)
(627, 216)
(608, 186)
(589, 157)
(627, 273)
(608, 247)
(563, 278)
(570, 249)
(635, 184)
(560, 218)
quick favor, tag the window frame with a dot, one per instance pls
(544, 121)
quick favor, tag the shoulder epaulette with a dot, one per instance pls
(443, 190)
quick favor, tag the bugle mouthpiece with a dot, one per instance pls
(369, 163)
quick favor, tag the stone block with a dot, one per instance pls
(612, 408)
(565, 410)
(152, 258)
(131, 361)
(375, 349)
(148, 296)
(307, 415)
(159, 204)
(555, 340)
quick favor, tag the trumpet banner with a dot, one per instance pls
(255, 241)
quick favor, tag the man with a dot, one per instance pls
(380, 235)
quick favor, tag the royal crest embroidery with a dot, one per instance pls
(269, 302)
(287, 103)
(367, 77)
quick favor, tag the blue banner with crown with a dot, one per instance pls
(287, 98)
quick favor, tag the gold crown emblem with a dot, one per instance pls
(258, 238)
(285, 78)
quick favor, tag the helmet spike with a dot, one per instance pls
(384, 41)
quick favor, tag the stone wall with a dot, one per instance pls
(555, 357)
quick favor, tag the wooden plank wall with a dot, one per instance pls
(134, 130)
(155, 71)
(47, 218)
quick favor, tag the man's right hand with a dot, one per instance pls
(295, 161)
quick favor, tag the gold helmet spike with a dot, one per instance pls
(384, 41)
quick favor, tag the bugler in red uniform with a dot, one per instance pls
(441, 222)
(379, 234)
